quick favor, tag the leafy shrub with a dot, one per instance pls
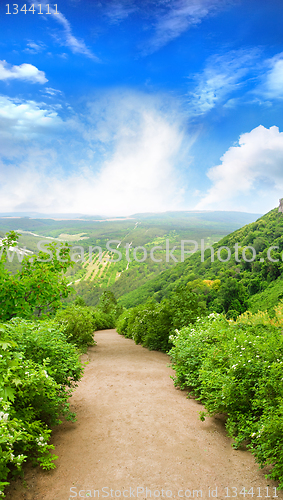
(232, 314)
(150, 324)
(236, 368)
(38, 368)
(106, 313)
(125, 322)
(44, 340)
(78, 325)
(102, 320)
(185, 307)
(263, 317)
(107, 302)
(79, 301)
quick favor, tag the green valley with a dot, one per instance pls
(139, 230)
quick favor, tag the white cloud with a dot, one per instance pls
(223, 75)
(177, 17)
(273, 85)
(117, 11)
(51, 92)
(21, 119)
(268, 82)
(34, 48)
(23, 72)
(134, 172)
(77, 46)
(250, 176)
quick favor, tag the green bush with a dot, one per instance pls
(79, 301)
(38, 368)
(78, 325)
(148, 324)
(185, 307)
(106, 313)
(102, 320)
(107, 302)
(151, 324)
(125, 322)
(236, 368)
(45, 340)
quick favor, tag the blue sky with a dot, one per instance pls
(118, 107)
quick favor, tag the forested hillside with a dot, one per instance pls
(252, 278)
(148, 230)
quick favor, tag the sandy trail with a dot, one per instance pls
(135, 430)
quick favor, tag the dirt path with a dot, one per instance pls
(135, 430)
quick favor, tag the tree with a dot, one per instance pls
(36, 289)
(107, 302)
(232, 295)
(185, 307)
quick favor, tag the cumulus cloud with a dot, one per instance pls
(21, 119)
(273, 85)
(250, 176)
(135, 171)
(23, 72)
(223, 75)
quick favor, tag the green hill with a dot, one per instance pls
(139, 230)
(148, 231)
(248, 268)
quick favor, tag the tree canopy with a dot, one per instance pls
(38, 287)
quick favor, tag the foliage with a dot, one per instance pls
(45, 341)
(185, 307)
(77, 324)
(38, 369)
(107, 302)
(252, 278)
(37, 288)
(146, 230)
(268, 298)
(231, 296)
(106, 313)
(80, 321)
(236, 368)
(125, 322)
(101, 320)
(150, 324)
(79, 301)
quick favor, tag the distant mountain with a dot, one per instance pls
(223, 216)
(201, 215)
(38, 215)
(54, 224)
